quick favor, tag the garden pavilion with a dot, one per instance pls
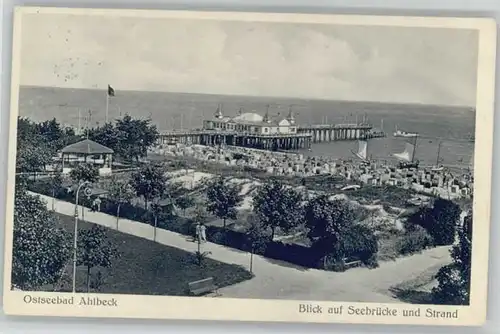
(87, 151)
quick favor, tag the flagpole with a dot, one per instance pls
(107, 106)
(79, 122)
(87, 126)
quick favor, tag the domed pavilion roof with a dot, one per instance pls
(249, 117)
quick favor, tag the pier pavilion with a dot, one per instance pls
(265, 132)
(246, 130)
(252, 123)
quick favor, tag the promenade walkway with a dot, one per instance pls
(281, 280)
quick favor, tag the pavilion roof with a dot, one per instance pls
(87, 146)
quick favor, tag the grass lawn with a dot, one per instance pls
(149, 268)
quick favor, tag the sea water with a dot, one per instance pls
(450, 125)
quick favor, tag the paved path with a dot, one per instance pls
(281, 280)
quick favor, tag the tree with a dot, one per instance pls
(454, 279)
(69, 137)
(136, 137)
(22, 182)
(94, 249)
(26, 130)
(129, 138)
(278, 206)
(157, 210)
(107, 135)
(327, 222)
(223, 200)
(440, 220)
(40, 249)
(33, 158)
(85, 172)
(201, 256)
(52, 133)
(257, 237)
(200, 213)
(56, 185)
(121, 192)
(184, 202)
(149, 182)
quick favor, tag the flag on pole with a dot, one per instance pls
(111, 91)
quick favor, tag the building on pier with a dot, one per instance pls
(245, 130)
(252, 123)
(266, 132)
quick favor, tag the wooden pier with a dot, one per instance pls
(285, 141)
(244, 139)
(327, 132)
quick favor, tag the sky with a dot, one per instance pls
(315, 61)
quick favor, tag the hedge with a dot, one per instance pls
(292, 253)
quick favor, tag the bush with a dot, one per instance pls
(414, 240)
(293, 253)
(330, 263)
(360, 243)
(219, 237)
(371, 262)
(454, 280)
(362, 213)
(440, 221)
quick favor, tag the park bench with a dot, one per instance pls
(352, 264)
(203, 287)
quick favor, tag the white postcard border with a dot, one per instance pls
(165, 307)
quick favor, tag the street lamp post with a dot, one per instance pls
(76, 234)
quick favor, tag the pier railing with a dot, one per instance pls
(363, 126)
(231, 133)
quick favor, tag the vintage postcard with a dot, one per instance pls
(249, 166)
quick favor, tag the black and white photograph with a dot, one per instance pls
(223, 156)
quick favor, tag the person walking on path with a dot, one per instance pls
(203, 232)
(198, 232)
(96, 205)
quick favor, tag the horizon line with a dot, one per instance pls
(473, 107)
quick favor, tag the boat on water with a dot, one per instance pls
(362, 152)
(407, 157)
(438, 167)
(399, 133)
